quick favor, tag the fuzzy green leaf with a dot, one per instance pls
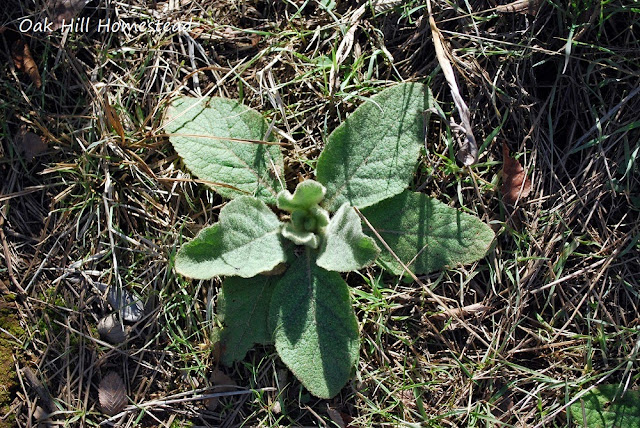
(244, 242)
(426, 234)
(345, 247)
(243, 307)
(237, 165)
(307, 194)
(314, 326)
(604, 407)
(372, 155)
(300, 237)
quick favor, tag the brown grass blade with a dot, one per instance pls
(344, 48)
(468, 151)
(475, 309)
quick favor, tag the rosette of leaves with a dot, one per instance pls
(305, 310)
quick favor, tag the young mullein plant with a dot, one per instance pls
(282, 273)
(308, 219)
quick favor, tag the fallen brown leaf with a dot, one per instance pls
(336, 417)
(111, 329)
(24, 61)
(515, 183)
(408, 398)
(530, 7)
(114, 120)
(112, 394)
(221, 383)
(29, 144)
(63, 11)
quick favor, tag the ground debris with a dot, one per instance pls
(530, 7)
(24, 62)
(515, 183)
(468, 151)
(221, 383)
(111, 329)
(29, 144)
(40, 388)
(112, 394)
(63, 11)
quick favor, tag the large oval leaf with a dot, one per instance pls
(372, 155)
(243, 307)
(345, 247)
(426, 234)
(606, 406)
(245, 241)
(219, 140)
(314, 326)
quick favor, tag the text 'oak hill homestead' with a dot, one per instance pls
(87, 24)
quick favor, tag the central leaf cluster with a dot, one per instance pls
(308, 218)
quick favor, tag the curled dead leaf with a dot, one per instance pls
(276, 408)
(336, 417)
(127, 302)
(24, 61)
(220, 383)
(112, 394)
(111, 329)
(468, 150)
(114, 120)
(43, 393)
(530, 7)
(515, 183)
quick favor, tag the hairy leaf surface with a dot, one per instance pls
(314, 326)
(218, 140)
(245, 241)
(426, 234)
(307, 194)
(605, 406)
(243, 307)
(345, 247)
(372, 155)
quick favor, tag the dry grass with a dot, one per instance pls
(98, 207)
